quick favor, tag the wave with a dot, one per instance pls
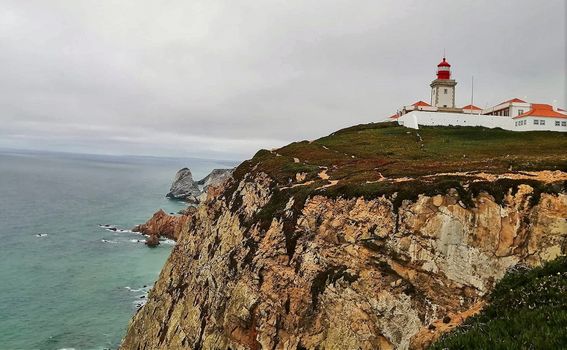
(141, 299)
(139, 303)
(106, 226)
(167, 241)
(144, 288)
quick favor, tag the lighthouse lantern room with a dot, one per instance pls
(443, 88)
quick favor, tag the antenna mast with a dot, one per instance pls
(472, 93)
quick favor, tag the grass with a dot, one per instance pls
(527, 310)
(360, 155)
(365, 152)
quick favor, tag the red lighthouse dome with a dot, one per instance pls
(444, 70)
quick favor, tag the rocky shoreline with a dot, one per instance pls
(162, 225)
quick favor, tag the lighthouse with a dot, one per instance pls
(443, 88)
(513, 114)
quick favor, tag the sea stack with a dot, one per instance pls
(184, 187)
(194, 192)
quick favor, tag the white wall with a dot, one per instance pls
(516, 107)
(549, 124)
(416, 118)
(440, 99)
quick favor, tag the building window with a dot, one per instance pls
(563, 123)
(520, 111)
(445, 91)
(536, 122)
(542, 122)
(557, 123)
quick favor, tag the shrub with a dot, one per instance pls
(527, 310)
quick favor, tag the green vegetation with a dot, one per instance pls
(365, 152)
(526, 310)
(359, 156)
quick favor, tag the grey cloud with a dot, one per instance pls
(207, 78)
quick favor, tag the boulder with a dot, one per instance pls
(152, 241)
(160, 225)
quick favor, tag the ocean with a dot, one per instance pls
(66, 282)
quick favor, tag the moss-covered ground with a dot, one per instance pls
(364, 152)
(359, 156)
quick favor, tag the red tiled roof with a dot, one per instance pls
(395, 116)
(471, 107)
(514, 100)
(421, 104)
(542, 110)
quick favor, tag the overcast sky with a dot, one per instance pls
(224, 78)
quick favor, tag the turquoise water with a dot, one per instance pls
(68, 289)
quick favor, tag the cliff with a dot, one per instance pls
(373, 237)
(215, 178)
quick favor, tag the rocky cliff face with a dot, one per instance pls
(215, 178)
(325, 272)
(374, 237)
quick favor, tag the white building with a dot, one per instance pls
(514, 114)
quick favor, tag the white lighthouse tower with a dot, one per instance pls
(443, 88)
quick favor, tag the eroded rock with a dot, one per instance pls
(338, 273)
